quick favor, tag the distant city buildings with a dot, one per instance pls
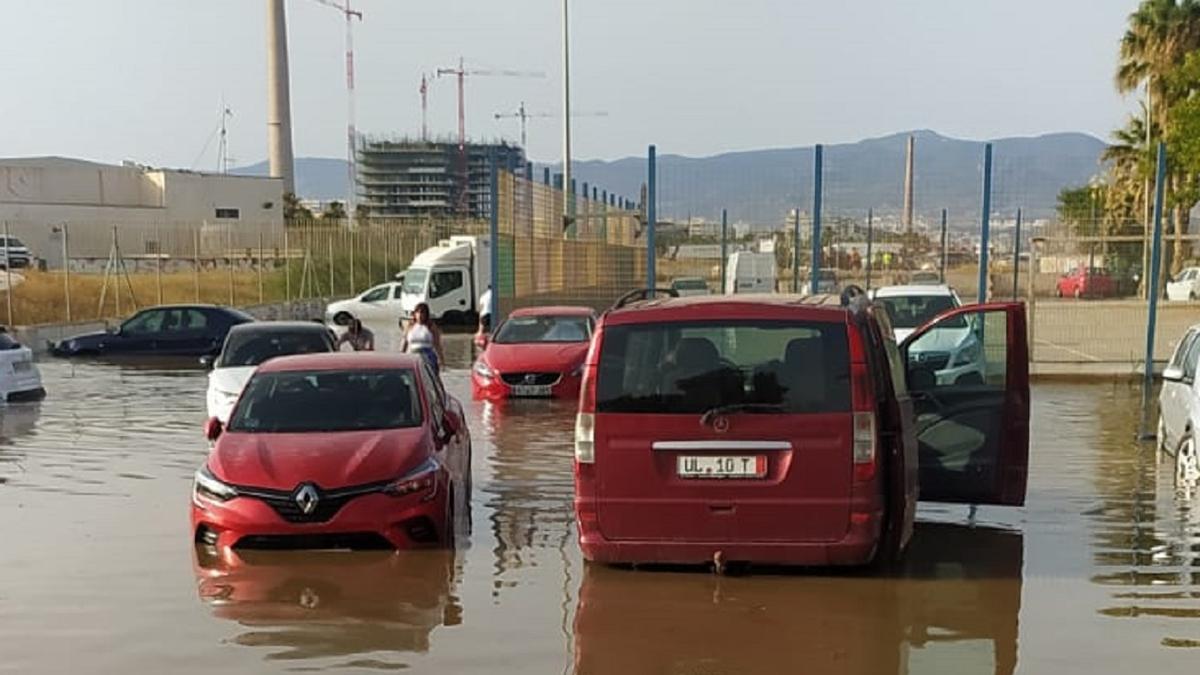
(408, 178)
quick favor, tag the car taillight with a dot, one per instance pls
(864, 446)
(585, 438)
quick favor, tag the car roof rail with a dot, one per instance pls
(639, 294)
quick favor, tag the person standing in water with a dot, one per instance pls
(423, 337)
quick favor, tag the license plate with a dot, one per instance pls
(531, 390)
(725, 466)
(22, 366)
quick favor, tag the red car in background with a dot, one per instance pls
(538, 352)
(335, 451)
(1078, 283)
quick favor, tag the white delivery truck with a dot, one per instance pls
(750, 272)
(450, 278)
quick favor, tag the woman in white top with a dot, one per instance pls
(423, 337)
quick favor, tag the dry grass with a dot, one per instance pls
(42, 297)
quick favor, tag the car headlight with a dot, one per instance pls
(482, 370)
(211, 488)
(421, 479)
(967, 355)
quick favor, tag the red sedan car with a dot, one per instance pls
(537, 353)
(334, 451)
(1079, 284)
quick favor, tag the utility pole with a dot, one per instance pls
(223, 147)
(351, 131)
(566, 116)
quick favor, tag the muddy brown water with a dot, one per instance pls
(1100, 573)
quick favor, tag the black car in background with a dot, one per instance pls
(170, 330)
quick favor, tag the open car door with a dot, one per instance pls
(968, 375)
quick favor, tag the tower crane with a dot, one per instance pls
(351, 131)
(524, 115)
(461, 73)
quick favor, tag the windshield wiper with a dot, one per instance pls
(712, 413)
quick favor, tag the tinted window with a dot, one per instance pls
(376, 294)
(694, 367)
(1189, 360)
(912, 311)
(1184, 344)
(524, 329)
(442, 283)
(250, 348)
(150, 321)
(305, 401)
(7, 343)
(414, 280)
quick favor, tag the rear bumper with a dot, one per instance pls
(856, 548)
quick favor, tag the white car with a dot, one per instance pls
(1185, 286)
(1179, 407)
(251, 344)
(953, 351)
(382, 302)
(19, 376)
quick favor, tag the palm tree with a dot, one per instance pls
(1160, 35)
(1128, 170)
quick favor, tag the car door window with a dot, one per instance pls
(1182, 350)
(435, 400)
(376, 294)
(968, 374)
(145, 323)
(397, 291)
(441, 283)
(1189, 361)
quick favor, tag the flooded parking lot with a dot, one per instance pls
(1099, 573)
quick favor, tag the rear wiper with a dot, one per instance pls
(712, 413)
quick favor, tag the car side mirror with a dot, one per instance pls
(213, 429)
(207, 361)
(1173, 374)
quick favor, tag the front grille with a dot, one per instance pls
(329, 502)
(531, 379)
(356, 541)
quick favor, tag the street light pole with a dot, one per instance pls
(566, 92)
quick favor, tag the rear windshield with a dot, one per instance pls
(250, 348)
(912, 311)
(324, 400)
(527, 329)
(691, 367)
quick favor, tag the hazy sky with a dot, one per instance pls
(143, 79)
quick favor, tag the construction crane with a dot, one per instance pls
(424, 108)
(461, 73)
(524, 115)
(351, 131)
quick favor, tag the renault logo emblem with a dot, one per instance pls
(306, 498)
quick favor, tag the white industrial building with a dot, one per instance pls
(40, 194)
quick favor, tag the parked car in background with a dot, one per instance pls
(336, 451)
(684, 286)
(827, 281)
(169, 330)
(925, 278)
(1185, 285)
(1179, 407)
(750, 272)
(1080, 283)
(248, 346)
(769, 430)
(538, 352)
(14, 254)
(19, 376)
(955, 354)
(378, 303)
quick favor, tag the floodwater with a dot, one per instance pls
(1100, 573)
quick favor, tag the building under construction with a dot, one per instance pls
(408, 178)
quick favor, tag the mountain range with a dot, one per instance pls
(762, 186)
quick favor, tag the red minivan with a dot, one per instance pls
(788, 430)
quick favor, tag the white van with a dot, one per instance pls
(450, 277)
(751, 272)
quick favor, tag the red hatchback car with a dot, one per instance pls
(537, 352)
(1080, 284)
(336, 451)
(787, 430)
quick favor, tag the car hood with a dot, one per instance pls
(941, 340)
(554, 357)
(87, 339)
(330, 460)
(232, 379)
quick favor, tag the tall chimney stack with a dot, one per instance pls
(279, 104)
(907, 218)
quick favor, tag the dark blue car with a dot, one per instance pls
(170, 330)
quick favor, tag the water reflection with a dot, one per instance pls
(955, 602)
(303, 606)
